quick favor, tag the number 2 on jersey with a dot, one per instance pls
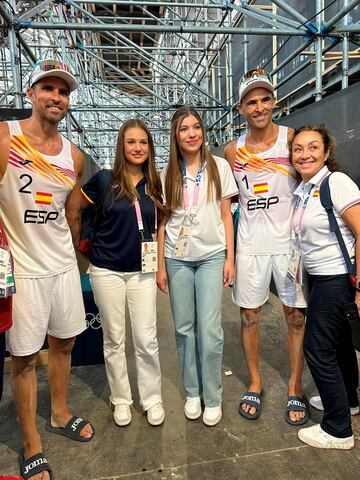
(27, 183)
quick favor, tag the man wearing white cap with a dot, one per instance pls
(266, 180)
(39, 170)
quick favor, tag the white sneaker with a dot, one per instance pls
(192, 408)
(122, 415)
(156, 415)
(212, 415)
(316, 402)
(317, 437)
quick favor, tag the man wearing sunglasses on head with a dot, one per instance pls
(266, 180)
(39, 171)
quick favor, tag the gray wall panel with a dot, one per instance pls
(340, 113)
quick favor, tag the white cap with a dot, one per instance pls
(254, 79)
(52, 68)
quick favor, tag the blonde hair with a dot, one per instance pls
(174, 174)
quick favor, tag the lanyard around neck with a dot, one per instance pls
(197, 186)
(140, 220)
(306, 201)
(296, 208)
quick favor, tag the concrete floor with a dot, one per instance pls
(180, 449)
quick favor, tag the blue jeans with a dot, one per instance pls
(195, 295)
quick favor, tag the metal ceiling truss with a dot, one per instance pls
(144, 59)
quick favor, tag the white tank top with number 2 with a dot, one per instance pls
(33, 193)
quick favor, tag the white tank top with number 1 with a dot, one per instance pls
(33, 193)
(266, 183)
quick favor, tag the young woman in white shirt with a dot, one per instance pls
(328, 346)
(196, 259)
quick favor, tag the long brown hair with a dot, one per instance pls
(120, 171)
(328, 141)
(174, 174)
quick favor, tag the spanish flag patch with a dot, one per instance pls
(43, 198)
(316, 192)
(260, 188)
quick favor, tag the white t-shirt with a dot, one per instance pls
(320, 251)
(207, 232)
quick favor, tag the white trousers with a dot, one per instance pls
(111, 290)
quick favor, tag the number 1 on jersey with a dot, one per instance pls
(244, 179)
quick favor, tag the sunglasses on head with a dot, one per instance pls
(256, 73)
(47, 65)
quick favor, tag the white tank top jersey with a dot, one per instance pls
(266, 184)
(33, 193)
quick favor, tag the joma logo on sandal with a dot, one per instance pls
(34, 464)
(75, 424)
(251, 397)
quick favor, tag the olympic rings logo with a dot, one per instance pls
(93, 321)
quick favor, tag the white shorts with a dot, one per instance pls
(252, 281)
(47, 305)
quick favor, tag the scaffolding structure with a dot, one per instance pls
(144, 59)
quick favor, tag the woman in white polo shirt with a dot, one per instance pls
(328, 346)
(196, 258)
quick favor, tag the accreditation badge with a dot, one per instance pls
(294, 264)
(149, 257)
(182, 241)
(7, 282)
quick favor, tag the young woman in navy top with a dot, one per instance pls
(121, 268)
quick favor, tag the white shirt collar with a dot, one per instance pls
(315, 180)
(190, 177)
